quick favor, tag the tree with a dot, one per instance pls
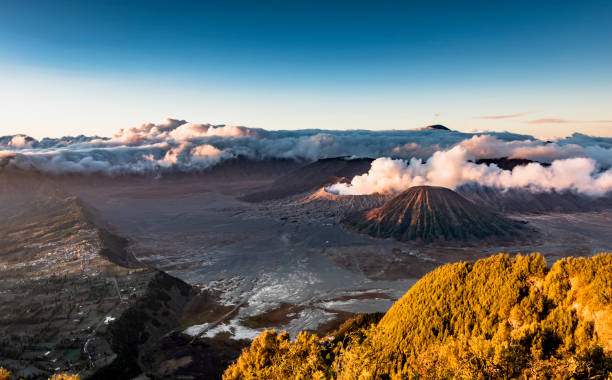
(500, 317)
(65, 376)
(4, 374)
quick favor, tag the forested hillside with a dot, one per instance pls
(501, 317)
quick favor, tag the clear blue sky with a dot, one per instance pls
(92, 67)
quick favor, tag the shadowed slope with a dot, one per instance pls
(428, 214)
(72, 296)
(318, 174)
(525, 201)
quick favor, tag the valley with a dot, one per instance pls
(305, 190)
(174, 275)
(260, 257)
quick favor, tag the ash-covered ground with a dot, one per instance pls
(290, 264)
(255, 263)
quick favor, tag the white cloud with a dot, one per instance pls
(488, 146)
(179, 145)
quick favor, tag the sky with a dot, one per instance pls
(93, 67)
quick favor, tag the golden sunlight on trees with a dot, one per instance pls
(274, 356)
(4, 374)
(501, 317)
(64, 376)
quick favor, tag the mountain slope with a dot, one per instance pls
(434, 127)
(313, 176)
(525, 201)
(73, 298)
(428, 214)
(500, 317)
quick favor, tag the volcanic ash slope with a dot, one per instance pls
(433, 214)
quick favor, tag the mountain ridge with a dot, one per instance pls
(500, 317)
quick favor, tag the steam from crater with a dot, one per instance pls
(454, 167)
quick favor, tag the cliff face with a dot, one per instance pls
(74, 299)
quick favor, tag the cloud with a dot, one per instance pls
(507, 116)
(489, 146)
(182, 146)
(187, 156)
(20, 141)
(453, 168)
(548, 121)
(179, 145)
(563, 121)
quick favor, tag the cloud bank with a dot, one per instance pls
(179, 145)
(427, 156)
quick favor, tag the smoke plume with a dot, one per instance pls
(454, 167)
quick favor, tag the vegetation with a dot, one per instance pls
(501, 317)
(65, 376)
(6, 375)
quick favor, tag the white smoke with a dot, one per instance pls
(454, 167)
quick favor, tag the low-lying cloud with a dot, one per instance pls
(405, 157)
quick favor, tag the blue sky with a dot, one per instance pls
(92, 67)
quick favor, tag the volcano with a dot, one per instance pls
(435, 127)
(438, 127)
(432, 214)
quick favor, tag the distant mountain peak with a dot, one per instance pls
(434, 127)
